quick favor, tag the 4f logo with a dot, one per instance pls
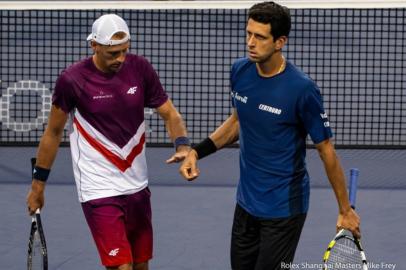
(132, 90)
(114, 252)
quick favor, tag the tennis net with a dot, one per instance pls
(356, 54)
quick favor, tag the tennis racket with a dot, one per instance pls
(37, 249)
(345, 250)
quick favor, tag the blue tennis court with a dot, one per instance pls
(192, 221)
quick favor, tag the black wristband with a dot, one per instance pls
(205, 148)
(181, 141)
(40, 174)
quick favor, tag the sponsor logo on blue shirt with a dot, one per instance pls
(236, 96)
(270, 109)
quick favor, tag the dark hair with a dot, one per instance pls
(276, 15)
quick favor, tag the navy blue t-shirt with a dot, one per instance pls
(276, 114)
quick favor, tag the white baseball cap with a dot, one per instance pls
(105, 27)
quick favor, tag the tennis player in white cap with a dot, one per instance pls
(105, 95)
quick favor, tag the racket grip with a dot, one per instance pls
(34, 216)
(33, 161)
(354, 173)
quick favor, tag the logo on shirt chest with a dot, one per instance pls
(132, 90)
(269, 109)
(236, 96)
(102, 95)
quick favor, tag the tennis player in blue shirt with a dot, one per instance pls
(276, 106)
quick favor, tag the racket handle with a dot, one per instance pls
(354, 173)
(34, 217)
(33, 161)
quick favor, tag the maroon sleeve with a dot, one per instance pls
(63, 95)
(155, 95)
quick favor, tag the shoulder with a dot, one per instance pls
(298, 76)
(137, 61)
(240, 66)
(79, 67)
(140, 65)
(241, 63)
(300, 80)
(77, 71)
(134, 58)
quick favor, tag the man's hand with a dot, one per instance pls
(181, 153)
(35, 197)
(189, 169)
(350, 221)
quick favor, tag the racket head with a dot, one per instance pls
(37, 258)
(344, 252)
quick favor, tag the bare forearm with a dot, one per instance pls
(227, 133)
(336, 177)
(175, 126)
(46, 154)
(52, 137)
(173, 120)
(347, 217)
(47, 149)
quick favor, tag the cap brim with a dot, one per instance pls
(89, 37)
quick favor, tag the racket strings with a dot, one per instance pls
(345, 252)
